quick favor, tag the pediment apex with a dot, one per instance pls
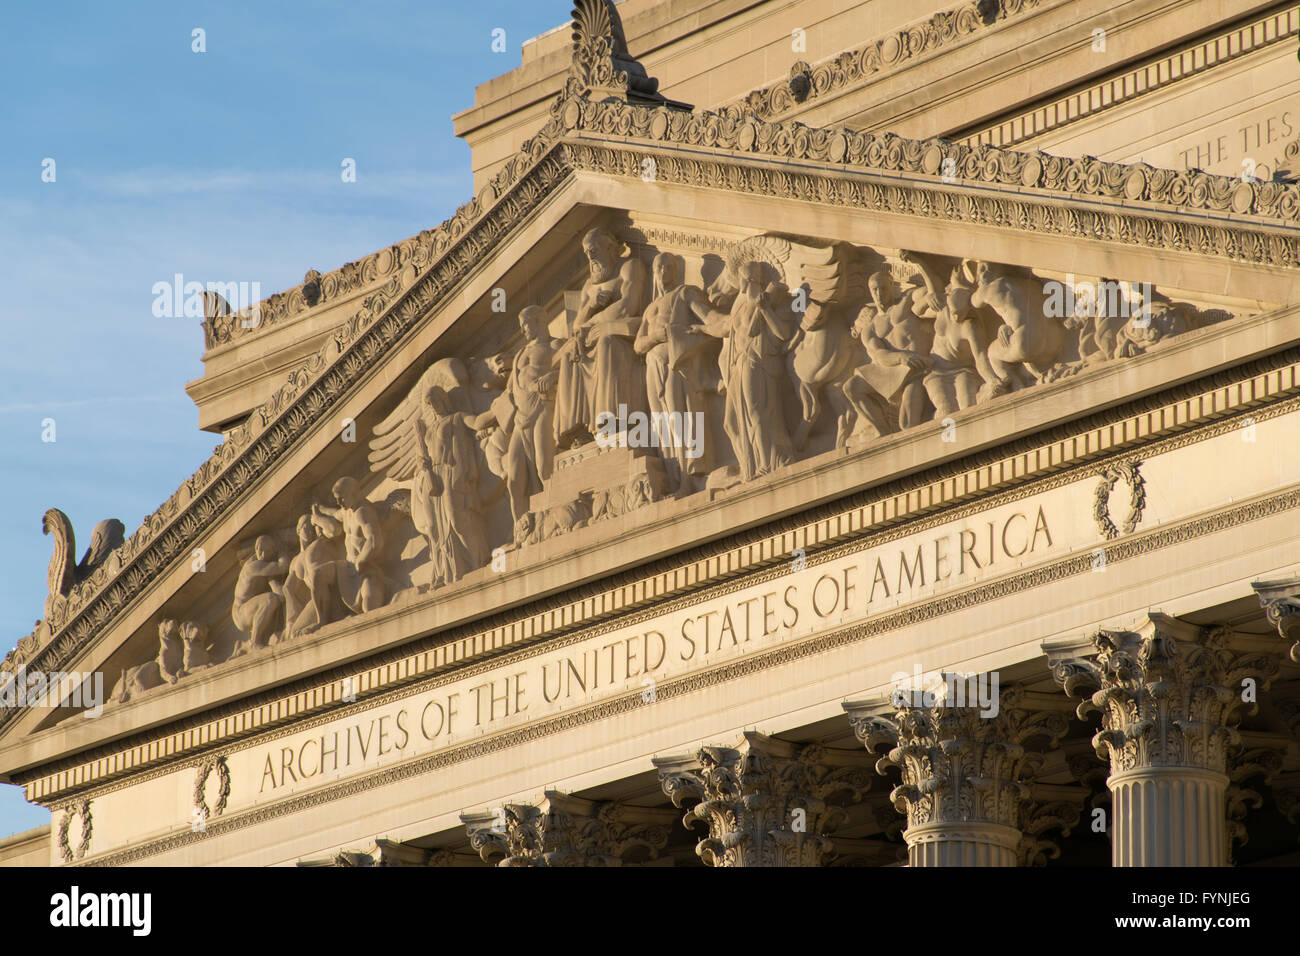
(601, 66)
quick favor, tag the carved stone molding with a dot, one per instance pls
(765, 802)
(880, 55)
(384, 853)
(601, 65)
(568, 831)
(966, 774)
(202, 812)
(1076, 178)
(1286, 168)
(1259, 763)
(65, 571)
(1169, 695)
(1049, 809)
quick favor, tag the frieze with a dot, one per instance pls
(896, 573)
(504, 460)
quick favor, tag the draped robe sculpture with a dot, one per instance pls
(520, 422)
(598, 367)
(429, 440)
(676, 347)
(755, 377)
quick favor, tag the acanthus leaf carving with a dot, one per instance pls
(568, 831)
(765, 802)
(1168, 695)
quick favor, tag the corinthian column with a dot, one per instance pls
(765, 802)
(966, 771)
(1170, 696)
(568, 831)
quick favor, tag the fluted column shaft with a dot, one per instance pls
(963, 844)
(1170, 698)
(1168, 816)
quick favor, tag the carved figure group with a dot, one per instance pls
(794, 348)
(338, 570)
(182, 651)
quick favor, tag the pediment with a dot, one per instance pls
(801, 300)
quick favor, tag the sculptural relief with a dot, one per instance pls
(358, 579)
(258, 608)
(520, 421)
(1114, 319)
(758, 330)
(765, 376)
(431, 441)
(825, 349)
(598, 369)
(182, 650)
(309, 599)
(1029, 344)
(959, 363)
(65, 571)
(679, 355)
(897, 330)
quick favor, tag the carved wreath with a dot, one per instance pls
(202, 772)
(1110, 475)
(65, 848)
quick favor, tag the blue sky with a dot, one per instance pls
(222, 166)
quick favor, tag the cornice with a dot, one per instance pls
(882, 54)
(1154, 74)
(1186, 211)
(940, 163)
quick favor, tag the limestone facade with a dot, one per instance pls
(797, 453)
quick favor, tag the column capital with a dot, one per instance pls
(1169, 693)
(766, 802)
(565, 830)
(959, 764)
(1050, 808)
(380, 852)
